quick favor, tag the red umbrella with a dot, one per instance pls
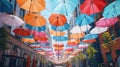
(21, 32)
(89, 41)
(57, 19)
(92, 6)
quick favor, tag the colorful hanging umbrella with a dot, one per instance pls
(80, 29)
(90, 36)
(73, 41)
(106, 22)
(40, 36)
(58, 45)
(60, 38)
(55, 33)
(57, 19)
(28, 40)
(83, 45)
(32, 5)
(6, 6)
(60, 28)
(89, 41)
(35, 28)
(77, 36)
(35, 20)
(35, 46)
(11, 20)
(98, 30)
(44, 42)
(112, 10)
(84, 19)
(64, 6)
(92, 6)
(21, 32)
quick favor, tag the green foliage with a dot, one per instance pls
(3, 38)
(90, 51)
(108, 42)
(81, 56)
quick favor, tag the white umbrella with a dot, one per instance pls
(98, 30)
(80, 29)
(11, 20)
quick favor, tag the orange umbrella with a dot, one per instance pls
(58, 45)
(35, 20)
(77, 35)
(73, 41)
(57, 19)
(55, 33)
(32, 5)
(28, 40)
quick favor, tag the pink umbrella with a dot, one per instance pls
(106, 22)
(11, 20)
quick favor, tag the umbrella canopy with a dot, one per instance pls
(60, 28)
(35, 28)
(112, 10)
(90, 36)
(55, 33)
(64, 6)
(35, 20)
(8, 7)
(73, 41)
(92, 6)
(84, 19)
(60, 38)
(58, 45)
(28, 40)
(89, 41)
(83, 45)
(35, 46)
(21, 32)
(106, 22)
(80, 29)
(98, 30)
(77, 36)
(11, 20)
(57, 19)
(32, 5)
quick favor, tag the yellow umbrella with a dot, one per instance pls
(32, 5)
(55, 33)
(35, 20)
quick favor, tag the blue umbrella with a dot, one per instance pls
(6, 6)
(90, 36)
(64, 6)
(84, 19)
(112, 10)
(43, 28)
(60, 28)
(37, 48)
(60, 38)
(48, 44)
